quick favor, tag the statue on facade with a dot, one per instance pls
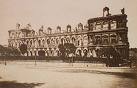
(123, 11)
(106, 9)
(17, 26)
(28, 26)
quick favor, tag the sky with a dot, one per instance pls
(52, 13)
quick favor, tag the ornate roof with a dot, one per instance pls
(117, 17)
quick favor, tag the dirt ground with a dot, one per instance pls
(64, 75)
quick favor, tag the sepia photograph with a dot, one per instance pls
(68, 44)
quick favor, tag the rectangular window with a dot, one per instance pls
(113, 25)
(113, 39)
(98, 27)
(105, 26)
(98, 40)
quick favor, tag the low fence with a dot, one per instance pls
(28, 58)
(50, 58)
(67, 59)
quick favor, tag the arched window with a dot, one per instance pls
(91, 25)
(62, 41)
(85, 51)
(105, 39)
(43, 42)
(98, 39)
(27, 42)
(79, 53)
(57, 41)
(31, 53)
(19, 44)
(34, 43)
(39, 43)
(78, 42)
(48, 41)
(113, 39)
(52, 41)
(67, 40)
(30, 43)
(113, 25)
(12, 35)
(73, 39)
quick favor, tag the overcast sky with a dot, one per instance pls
(52, 13)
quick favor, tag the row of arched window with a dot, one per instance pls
(53, 41)
(105, 39)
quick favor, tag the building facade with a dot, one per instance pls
(108, 31)
(108, 36)
(48, 41)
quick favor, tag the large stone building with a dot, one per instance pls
(108, 36)
(48, 41)
(108, 31)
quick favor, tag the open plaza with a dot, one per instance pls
(42, 74)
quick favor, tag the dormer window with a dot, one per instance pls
(80, 26)
(58, 29)
(68, 28)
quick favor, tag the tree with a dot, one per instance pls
(13, 51)
(66, 49)
(112, 56)
(62, 50)
(133, 57)
(9, 51)
(41, 53)
(23, 48)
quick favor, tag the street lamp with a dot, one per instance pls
(5, 63)
(35, 60)
(35, 57)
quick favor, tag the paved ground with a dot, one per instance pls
(64, 75)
